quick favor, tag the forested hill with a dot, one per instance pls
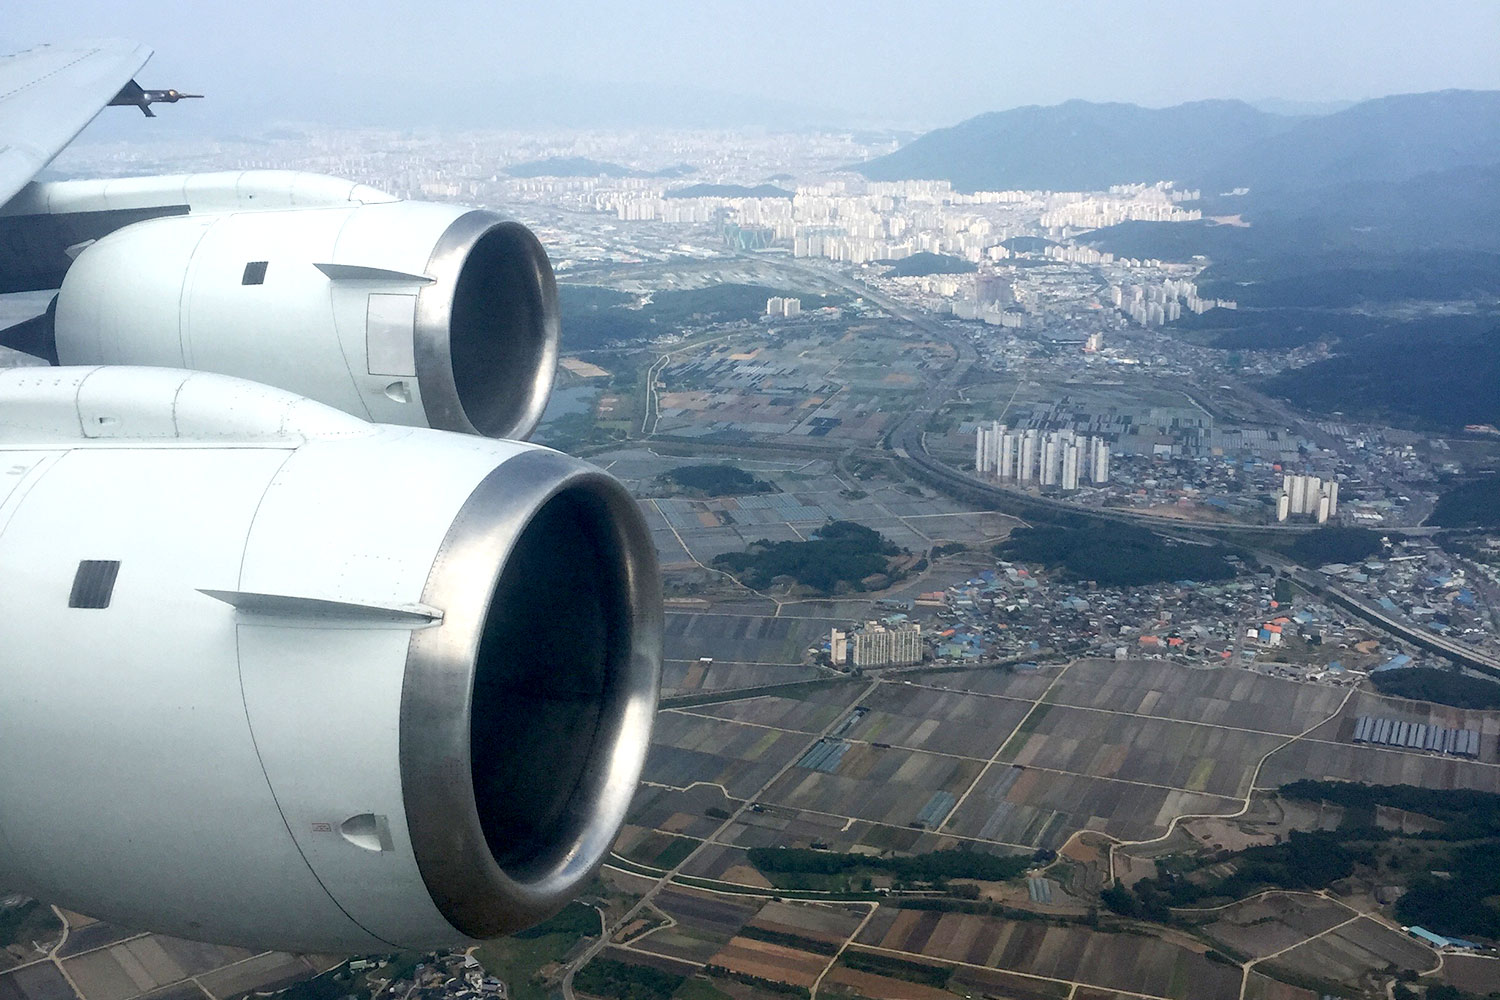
(1386, 139)
(1079, 145)
(1214, 145)
(1443, 382)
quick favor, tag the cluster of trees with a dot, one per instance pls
(1472, 505)
(789, 940)
(1465, 814)
(1464, 902)
(725, 303)
(937, 866)
(15, 919)
(1335, 545)
(575, 918)
(1447, 383)
(606, 977)
(936, 976)
(924, 263)
(1303, 861)
(841, 556)
(716, 480)
(1445, 687)
(1437, 991)
(329, 986)
(768, 985)
(594, 316)
(1115, 555)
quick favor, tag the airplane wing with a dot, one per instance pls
(49, 93)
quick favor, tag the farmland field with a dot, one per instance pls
(885, 786)
(1225, 697)
(1042, 809)
(687, 749)
(1010, 761)
(1127, 962)
(1181, 755)
(938, 721)
(1273, 922)
(809, 712)
(1348, 952)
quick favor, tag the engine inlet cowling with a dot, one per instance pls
(554, 659)
(378, 687)
(487, 329)
(403, 312)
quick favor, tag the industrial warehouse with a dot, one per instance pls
(1416, 736)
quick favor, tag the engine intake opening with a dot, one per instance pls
(546, 698)
(487, 337)
(526, 715)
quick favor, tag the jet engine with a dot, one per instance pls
(400, 312)
(276, 676)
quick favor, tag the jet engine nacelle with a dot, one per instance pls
(403, 313)
(278, 677)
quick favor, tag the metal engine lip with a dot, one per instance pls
(470, 890)
(433, 348)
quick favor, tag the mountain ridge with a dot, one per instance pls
(1217, 145)
(1076, 145)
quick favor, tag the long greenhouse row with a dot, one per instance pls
(1416, 736)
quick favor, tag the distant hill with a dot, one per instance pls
(1434, 236)
(1027, 244)
(1390, 200)
(579, 166)
(1079, 145)
(729, 191)
(1383, 140)
(928, 263)
(1214, 145)
(1475, 504)
(1434, 381)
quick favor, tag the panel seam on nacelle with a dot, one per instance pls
(271, 786)
(189, 276)
(22, 489)
(338, 335)
(250, 722)
(78, 401)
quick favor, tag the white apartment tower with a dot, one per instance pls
(1070, 466)
(878, 646)
(1307, 495)
(1101, 461)
(1058, 458)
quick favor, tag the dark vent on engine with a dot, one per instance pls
(94, 583)
(255, 273)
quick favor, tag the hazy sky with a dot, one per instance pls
(457, 62)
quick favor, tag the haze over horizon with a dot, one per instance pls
(577, 64)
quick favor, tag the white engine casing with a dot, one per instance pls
(325, 707)
(400, 312)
